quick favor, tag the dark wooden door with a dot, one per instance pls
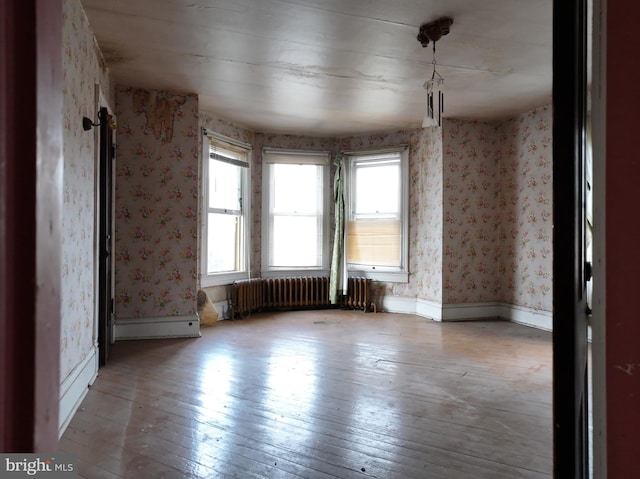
(105, 232)
(570, 271)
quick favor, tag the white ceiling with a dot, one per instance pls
(330, 67)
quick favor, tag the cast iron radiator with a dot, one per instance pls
(290, 293)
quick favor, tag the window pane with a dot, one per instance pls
(374, 243)
(375, 232)
(294, 203)
(223, 243)
(224, 185)
(296, 188)
(296, 241)
(377, 190)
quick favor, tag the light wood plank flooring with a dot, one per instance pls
(323, 394)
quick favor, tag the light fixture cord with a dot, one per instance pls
(433, 62)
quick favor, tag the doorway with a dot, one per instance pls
(106, 149)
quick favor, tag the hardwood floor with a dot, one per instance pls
(323, 394)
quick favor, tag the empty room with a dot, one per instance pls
(233, 125)
(316, 239)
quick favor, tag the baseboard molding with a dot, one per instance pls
(429, 309)
(438, 311)
(75, 387)
(399, 304)
(469, 311)
(535, 318)
(160, 327)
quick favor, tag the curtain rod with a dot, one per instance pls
(369, 151)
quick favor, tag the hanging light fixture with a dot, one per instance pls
(435, 96)
(433, 31)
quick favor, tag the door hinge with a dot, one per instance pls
(588, 271)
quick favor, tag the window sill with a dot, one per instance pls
(222, 279)
(384, 276)
(294, 273)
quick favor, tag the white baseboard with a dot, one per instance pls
(399, 304)
(429, 309)
(536, 318)
(161, 327)
(468, 311)
(75, 387)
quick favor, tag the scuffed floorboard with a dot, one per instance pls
(323, 394)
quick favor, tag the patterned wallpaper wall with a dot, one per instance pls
(479, 225)
(527, 210)
(226, 128)
(156, 203)
(83, 67)
(426, 214)
(497, 211)
(472, 251)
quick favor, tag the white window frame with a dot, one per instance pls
(393, 274)
(209, 139)
(276, 155)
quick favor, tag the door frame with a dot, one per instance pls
(98, 329)
(598, 134)
(105, 233)
(31, 165)
(570, 373)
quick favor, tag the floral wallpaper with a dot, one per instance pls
(526, 194)
(480, 206)
(497, 238)
(226, 128)
(83, 68)
(156, 203)
(426, 215)
(472, 219)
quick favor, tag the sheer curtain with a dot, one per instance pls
(338, 278)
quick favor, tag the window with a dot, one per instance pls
(376, 214)
(294, 211)
(224, 222)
